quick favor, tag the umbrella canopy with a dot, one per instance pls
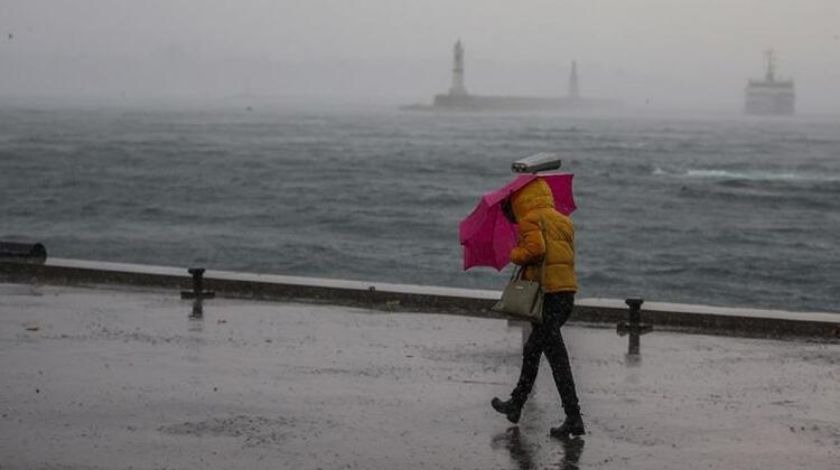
(486, 234)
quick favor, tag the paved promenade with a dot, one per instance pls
(122, 378)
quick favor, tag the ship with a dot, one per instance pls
(770, 96)
(459, 99)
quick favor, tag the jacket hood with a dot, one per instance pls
(534, 195)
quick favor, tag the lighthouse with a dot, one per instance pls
(458, 87)
(458, 99)
(574, 91)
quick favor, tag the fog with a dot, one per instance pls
(648, 53)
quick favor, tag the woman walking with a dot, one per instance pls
(545, 238)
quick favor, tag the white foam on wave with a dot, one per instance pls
(760, 175)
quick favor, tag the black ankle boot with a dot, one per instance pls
(572, 425)
(510, 409)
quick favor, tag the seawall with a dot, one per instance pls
(421, 299)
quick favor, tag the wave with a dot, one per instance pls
(750, 175)
(743, 175)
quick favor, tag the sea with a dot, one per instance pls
(723, 210)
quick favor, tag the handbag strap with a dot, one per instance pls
(545, 254)
(517, 272)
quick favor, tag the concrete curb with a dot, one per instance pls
(413, 298)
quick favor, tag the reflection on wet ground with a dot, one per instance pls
(525, 454)
(131, 379)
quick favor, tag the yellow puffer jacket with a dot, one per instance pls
(533, 206)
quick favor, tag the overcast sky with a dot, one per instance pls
(669, 53)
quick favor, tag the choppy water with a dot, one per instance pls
(730, 211)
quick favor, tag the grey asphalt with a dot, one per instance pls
(119, 379)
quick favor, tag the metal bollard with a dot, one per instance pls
(635, 315)
(197, 293)
(198, 286)
(634, 326)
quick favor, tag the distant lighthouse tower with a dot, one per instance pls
(458, 87)
(574, 91)
(770, 57)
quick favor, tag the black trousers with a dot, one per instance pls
(546, 338)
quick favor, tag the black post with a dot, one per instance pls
(198, 278)
(633, 327)
(198, 286)
(198, 293)
(635, 315)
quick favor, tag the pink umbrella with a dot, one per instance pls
(486, 234)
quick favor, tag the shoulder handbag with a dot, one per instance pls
(522, 299)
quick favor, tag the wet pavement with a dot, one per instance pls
(118, 379)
